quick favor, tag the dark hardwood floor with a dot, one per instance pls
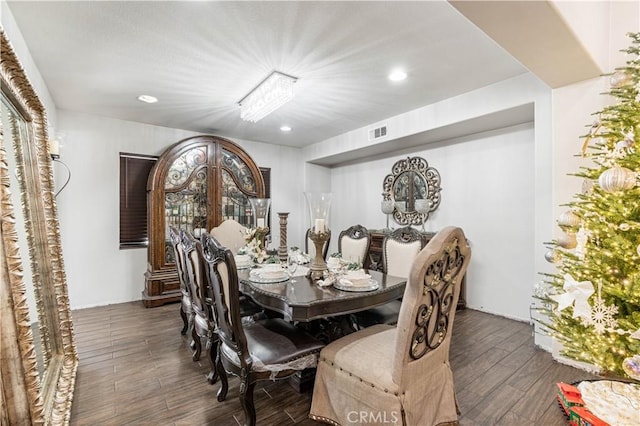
(135, 368)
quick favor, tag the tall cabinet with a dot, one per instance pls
(195, 185)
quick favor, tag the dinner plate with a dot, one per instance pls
(246, 266)
(256, 278)
(373, 285)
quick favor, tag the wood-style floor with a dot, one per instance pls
(135, 368)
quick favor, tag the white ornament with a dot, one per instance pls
(576, 294)
(638, 249)
(602, 317)
(624, 226)
(582, 237)
(587, 186)
(617, 179)
(619, 79)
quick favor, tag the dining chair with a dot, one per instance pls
(308, 244)
(353, 243)
(186, 313)
(230, 234)
(401, 374)
(203, 323)
(399, 249)
(266, 349)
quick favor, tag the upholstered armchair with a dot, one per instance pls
(400, 375)
(230, 234)
(266, 349)
(353, 243)
(399, 249)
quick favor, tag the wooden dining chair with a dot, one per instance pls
(266, 349)
(401, 374)
(204, 327)
(230, 234)
(399, 249)
(353, 243)
(308, 245)
(186, 312)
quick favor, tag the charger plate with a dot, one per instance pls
(255, 278)
(373, 285)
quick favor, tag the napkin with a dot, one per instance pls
(356, 278)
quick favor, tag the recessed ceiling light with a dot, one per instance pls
(147, 99)
(285, 128)
(397, 75)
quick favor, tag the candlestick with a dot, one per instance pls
(282, 250)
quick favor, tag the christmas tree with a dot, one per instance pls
(593, 302)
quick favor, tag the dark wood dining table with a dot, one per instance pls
(300, 299)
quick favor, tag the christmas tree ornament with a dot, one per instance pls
(619, 79)
(624, 226)
(631, 366)
(587, 186)
(602, 316)
(582, 238)
(638, 249)
(576, 294)
(617, 179)
(551, 256)
(567, 241)
(569, 219)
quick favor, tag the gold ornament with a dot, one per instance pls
(568, 241)
(569, 219)
(617, 179)
(619, 79)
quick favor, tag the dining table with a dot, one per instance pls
(301, 299)
(322, 310)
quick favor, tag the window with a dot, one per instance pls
(134, 172)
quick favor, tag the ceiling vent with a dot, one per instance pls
(378, 132)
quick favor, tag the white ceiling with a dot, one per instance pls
(200, 58)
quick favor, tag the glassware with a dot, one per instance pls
(319, 205)
(292, 265)
(387, 207)
(260, 208)
(422, 207)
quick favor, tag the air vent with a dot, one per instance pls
(378, 132)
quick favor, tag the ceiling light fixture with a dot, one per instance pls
(148, 99)
(285, 128)
(273, 92)
(397, 75)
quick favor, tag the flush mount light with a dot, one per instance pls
(273, 92)
(148, 99)
(285, 128)
(397, 75)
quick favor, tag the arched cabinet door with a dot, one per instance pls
(195, 185)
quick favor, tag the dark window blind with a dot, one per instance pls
(134, 172)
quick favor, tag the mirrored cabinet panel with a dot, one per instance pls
(195, 185)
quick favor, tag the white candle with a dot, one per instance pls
(319, 225)
(54, 147)
(260, 222)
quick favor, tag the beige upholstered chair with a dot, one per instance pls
(230, 234)
(400, 374)
(399, 249)
(353, 243)
(266, 349)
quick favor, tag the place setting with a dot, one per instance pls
(347, 276)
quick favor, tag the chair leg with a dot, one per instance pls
(198, 344)
(224, 384)
(246, 399)
(212, 377)
(185, 321)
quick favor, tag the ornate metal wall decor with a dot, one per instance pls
(410, 180)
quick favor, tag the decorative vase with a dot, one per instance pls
(319, 205)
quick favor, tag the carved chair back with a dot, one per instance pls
(399, 249)
(308, 245)
(178, 251)
(353, 243)
(222, 276)
(429, 304)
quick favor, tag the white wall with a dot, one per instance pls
(98, 271)
(488, 190)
